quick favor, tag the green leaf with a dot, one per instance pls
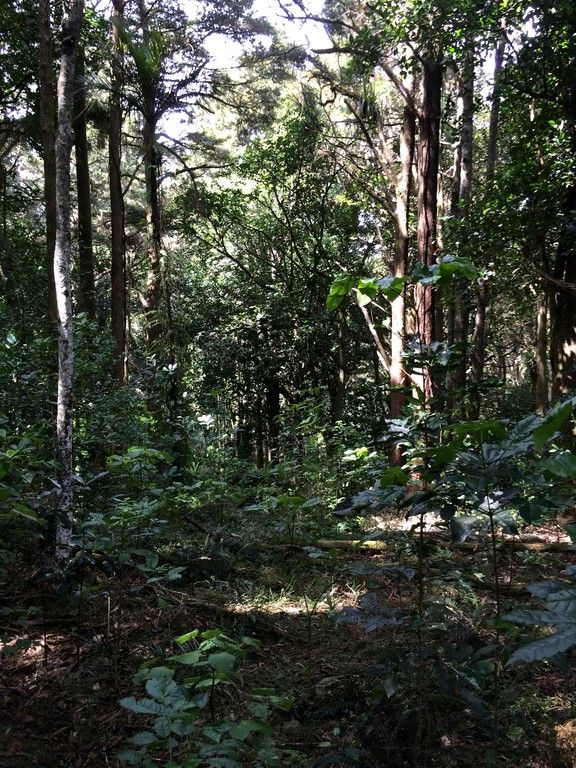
(192, 657)
(563, 602)
(259, 709)
(392, 287)
(570, 529)
(537, 618)
(243, 729)
(339, 290)
(393, 476)
(162, 688)
(561, 464)
(143, 739)
(544, 648)
(390, 686)
(142, 706)
(484, 429)
(187, 637)
(222, 662)
(552, 423)
(449, 267)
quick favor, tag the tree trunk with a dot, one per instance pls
(428, 164)
(563, 306)
(492, 151)
(478, 344)
(541, 355)
(272, 417)
(151, 302)
(400, 262)
(71, 27)
(460, 203)
(86, 283)
(47, 103)
(118, 299)
(337, 385)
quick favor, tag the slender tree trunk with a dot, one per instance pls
(541, 354)
(62, 256)
(492, 152)
(399, 269)
(428, 166)
(460, 204)
(272, 417)
(337, 384)
(259, 452)
(400, 261)
(151, 301)
(86, 282)
(47, 102)
(482, 291)
(118, 298)
(478, 344)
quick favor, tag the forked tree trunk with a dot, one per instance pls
(117, 230)
(47, 103)
(70, 35)
(86, 282)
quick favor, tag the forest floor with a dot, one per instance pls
(389, 658)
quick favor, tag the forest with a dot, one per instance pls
(287, 383)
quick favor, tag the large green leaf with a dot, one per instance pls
(544, 648)
(553, 421)
(193, 657)
(243, 729)
(538, 618)
(392, 287)
(222, 662)
(561, 464)
(339, 289)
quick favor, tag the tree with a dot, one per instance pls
(70, 41)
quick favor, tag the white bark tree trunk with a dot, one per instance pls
(70, 34)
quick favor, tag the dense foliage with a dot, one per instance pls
(290, 324)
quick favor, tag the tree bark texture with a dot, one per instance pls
(47, 104)
(541, 354)
(428, 165)
(151, 302)
(86, 281)
(62, 256)
(460, 202)
(478, 344)
(118, 292)
(400, 262)
(563, 305)
(492, 151)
